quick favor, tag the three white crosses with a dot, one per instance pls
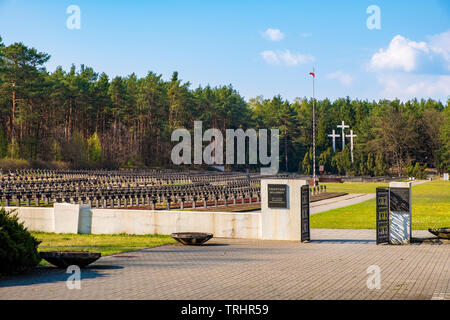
(343, 126)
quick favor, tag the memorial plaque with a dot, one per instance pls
(277, 196)
(399, 199)
(305, 225)
(382, 215)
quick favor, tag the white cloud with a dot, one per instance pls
(408, 86)
(411, 56)
(286, 58)
(408, 69)
(306, 34)
(401, 54)
(441, 44)
(270, 57)
(342, 77)
(273, 34)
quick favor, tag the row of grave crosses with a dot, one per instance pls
(343, 126)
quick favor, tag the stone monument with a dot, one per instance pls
(281, 207)
(343, 126)
(334, 135)
(400, 213)
(382, 205)
(351, 136)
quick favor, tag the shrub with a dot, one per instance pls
(12, 164)
(419, 171)
(18, 248)
(410, 171)
(52, 165)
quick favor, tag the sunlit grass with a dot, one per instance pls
(106, 244)
(430, 209)
(355, 187)
(100, 240)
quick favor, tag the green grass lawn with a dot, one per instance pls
(430, 208)
(105, 244)
(355, 187)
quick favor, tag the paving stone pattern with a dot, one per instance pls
(332, 267)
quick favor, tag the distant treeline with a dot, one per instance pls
(85, 119)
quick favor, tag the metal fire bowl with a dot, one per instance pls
(63, 259)
(192, 238)
(443, 233)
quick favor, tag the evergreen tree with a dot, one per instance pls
(52, 116)
(380, 165)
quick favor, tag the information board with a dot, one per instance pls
(277, 196)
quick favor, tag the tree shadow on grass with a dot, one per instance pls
(51, 274)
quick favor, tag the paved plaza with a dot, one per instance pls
(334, 267)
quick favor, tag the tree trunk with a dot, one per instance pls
(12, 120)
(285, 147)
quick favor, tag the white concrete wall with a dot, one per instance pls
(221, 224)
(62, 219)
(35, 219)
(66, 217)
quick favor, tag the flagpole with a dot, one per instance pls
(314, 130)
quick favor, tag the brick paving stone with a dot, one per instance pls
(334, 266)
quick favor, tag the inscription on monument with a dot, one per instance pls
(305, 224)
(399, 199)
(277, 196)
(382, 215)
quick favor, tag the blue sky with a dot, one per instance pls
(260, 47)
